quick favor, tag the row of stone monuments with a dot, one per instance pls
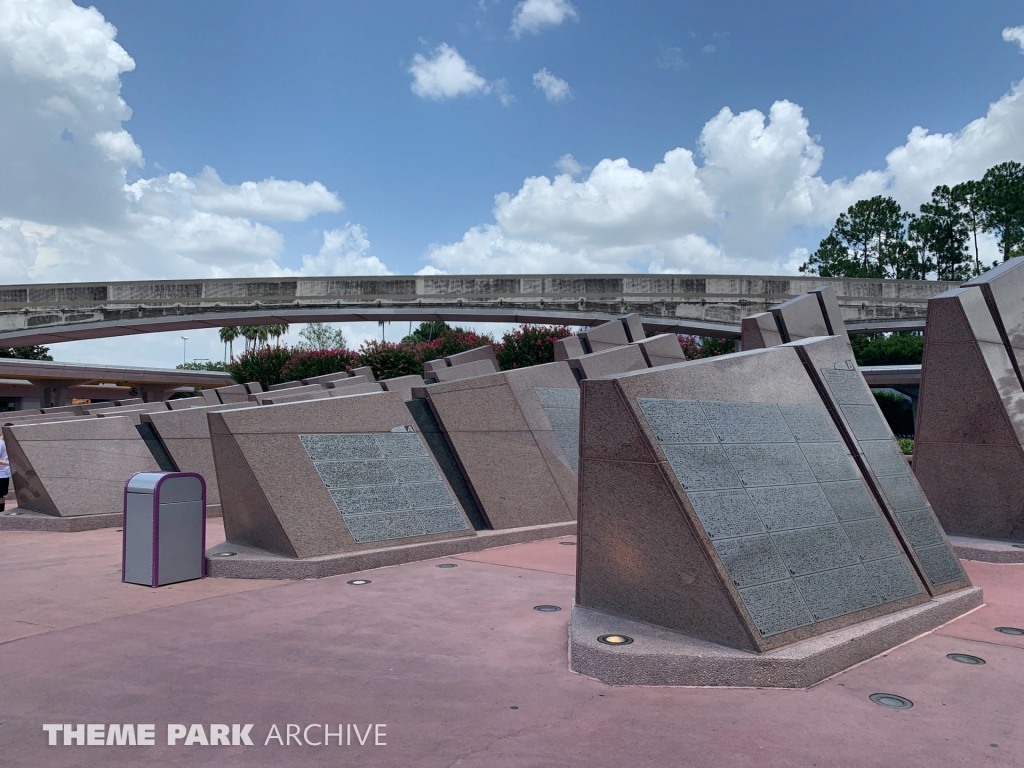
(747, 519)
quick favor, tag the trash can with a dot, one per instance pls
(164, 532)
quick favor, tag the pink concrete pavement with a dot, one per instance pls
(460, 667)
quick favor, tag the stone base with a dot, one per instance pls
(24, 520)
(988, 550)
(252, 563)
(662, 657)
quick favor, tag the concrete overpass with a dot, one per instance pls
(709, 305)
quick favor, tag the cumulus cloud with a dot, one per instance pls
(730, 206)
(708, 48)
(671, 58)
(534, 16)
(554, 88)
(345, 251)
(568, 164)
(1015, 35)
(445, 75)
(67, 209)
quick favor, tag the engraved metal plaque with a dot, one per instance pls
(835, 593)
(809, 550)
(747, 422)
(872, 538)
(810, 423)
(384, 485)
(726, 513)
(701, 467)
(751, 560)
(677, 421)
(920, 527)
(866, 422)
(884, 457)
(792, 506)
(894, 578)
(848, 387)
(562, 407)
(776, 607)
(850, 500)
(829, 462)
(940, 564)
(759, 464)
(902, 493)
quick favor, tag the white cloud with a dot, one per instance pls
(445, 76)
(555, 88)
(569, 164)
(267, 200)
(708, 49)
(66, 209)
(1015, 35)
(671, 58)
(345, 251)
(534, 15)
(734, 211)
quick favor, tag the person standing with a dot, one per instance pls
(5, 473)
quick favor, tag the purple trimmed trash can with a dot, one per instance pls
(164, 536)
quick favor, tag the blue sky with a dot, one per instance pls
(187, 139)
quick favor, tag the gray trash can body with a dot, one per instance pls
(164, 536)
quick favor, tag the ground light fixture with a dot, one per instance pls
(1010, 630)
(567, 543)
(891, 700)
(615, 639)
(446, 565)
(224, 554)
(965, 658)
(546, 608)
(358, 582)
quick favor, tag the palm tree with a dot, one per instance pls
(277, 331)
(228, 334)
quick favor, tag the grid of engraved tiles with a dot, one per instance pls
(384, 484)
(563, 409)
(883, 455)
(784, 507)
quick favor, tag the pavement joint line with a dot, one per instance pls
(506, 565)
(984, 642)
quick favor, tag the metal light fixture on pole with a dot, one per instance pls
(184, 346)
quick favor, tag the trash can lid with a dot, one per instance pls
(145, 482)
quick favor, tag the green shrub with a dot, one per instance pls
(389, 359)
(306, 365)
(906, 445)
(894, 349)
(529, 345)
(263, 364)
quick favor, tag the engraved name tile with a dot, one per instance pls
(872, 538)
(676, 421)
(392, 525)
(836, 593)
(794, 506)
(751, 560)
(894, 578)
(920, 527)
(809, 423)
(902, 493)
(747, 422)
(413, 470)
(342, 474)
(809, 550)
(775, 607)
(370, 499)
(850, 500)
(557, 397)
(885, 457)
(726, 513)
(340, 447)
(866, 422)
(401, 444)
(848, 387)
(701, 467)
(829, 461)
(762, 464)
(424, 495)
(940, 564)
(441, 520)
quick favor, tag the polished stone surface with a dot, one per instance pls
(613, 360)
